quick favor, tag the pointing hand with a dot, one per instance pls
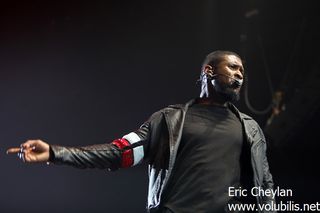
(32, 151)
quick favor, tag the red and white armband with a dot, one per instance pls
(131, 156)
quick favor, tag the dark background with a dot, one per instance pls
(79, 73)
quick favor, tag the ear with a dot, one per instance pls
(208, 70)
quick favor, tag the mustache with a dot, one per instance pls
(235, 82)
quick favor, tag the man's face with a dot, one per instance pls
(227, 70)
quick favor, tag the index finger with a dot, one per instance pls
(13, 150)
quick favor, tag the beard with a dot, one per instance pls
(226, 91)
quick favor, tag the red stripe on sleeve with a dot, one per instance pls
(127, 156)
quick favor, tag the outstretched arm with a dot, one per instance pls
(109, 155)
(127, 151)
(124, 152)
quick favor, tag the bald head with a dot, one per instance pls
(214, 58)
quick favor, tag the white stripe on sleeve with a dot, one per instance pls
(138, 152)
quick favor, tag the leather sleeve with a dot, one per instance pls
(267, 177)
(128, 151)
(102, 156)
(148, 133)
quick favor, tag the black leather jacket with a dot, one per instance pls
(157, 141)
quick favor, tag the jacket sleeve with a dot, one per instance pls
(267, 177)
(127, 151)
(102, 156)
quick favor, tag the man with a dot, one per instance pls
(196, 152)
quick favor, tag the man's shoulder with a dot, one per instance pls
(171, 109)
(175, 107)
(247, 120)
(245, 116)
(168, 109)
(242, 115)
(252, 127)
